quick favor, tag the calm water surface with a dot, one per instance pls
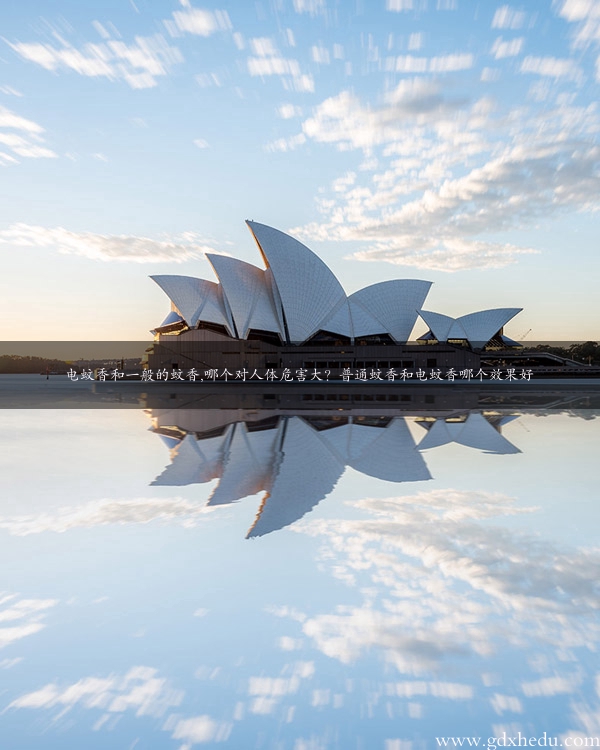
(180, 579)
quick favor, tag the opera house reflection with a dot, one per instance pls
(297, 460)
(434, 573)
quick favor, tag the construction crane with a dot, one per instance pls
(525, 335)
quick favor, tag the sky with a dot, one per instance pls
(448, 140)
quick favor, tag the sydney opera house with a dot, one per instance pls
(294, 313)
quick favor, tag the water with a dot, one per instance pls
(276, 579)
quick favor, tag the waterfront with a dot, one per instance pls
(441, 579)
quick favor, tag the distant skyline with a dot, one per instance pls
(444, 140)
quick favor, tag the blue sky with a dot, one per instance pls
(445, 140)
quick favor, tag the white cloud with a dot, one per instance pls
(10, 91)
(289, 644)
(287, 111)
(198, 21)
(200, 143)
(286, 144)
(511, 48)
(398, 6)
(450, 63)
(267, 61)
(139, 690)
(312, 7)
(273, 66)
(263, 46)
(552, 67)
(28, 143)
(415, 41)
(489, 75)
(548, 686)
(440, 580)
(10, 663)
(139, 64)
(206, 80)
(506, 17)
(320, 55)
(506, 704)
(267, 692)
(450, 172)
(10, 120)
(30, 613)
(586, 15)
(103, 512)
(104, 247)
(441, 64)
(201, 729)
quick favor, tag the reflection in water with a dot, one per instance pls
(438, 606)
(297, 461)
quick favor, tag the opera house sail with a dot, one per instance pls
(294, 312)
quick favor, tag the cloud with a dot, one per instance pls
(30, 613)
(200, 729)
(511, 48)
(263, 47)
(10, 91)
(344, 121)
(103, 512)
(506, 17)
(198, 21)
(287, 111)
(451, 173)
(267, 692)
(140, 690)
(552, 67)
(311, 7)
(105, 247)
(268, 61)
(397, 6)
(288, 70)
(138, 64)
(415, 41)
(586, 15)
(200, 143)
(441, 64)
(549, 686)
(320, 55)
(286, 144)
(441, 583)
(506, 703)
(28, 143)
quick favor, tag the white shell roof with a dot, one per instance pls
(478, 327)
(481, 326)
(394, 304)
(308, 289)
(196, 299)
(339, 321)
(439, 324)
(248, 295)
